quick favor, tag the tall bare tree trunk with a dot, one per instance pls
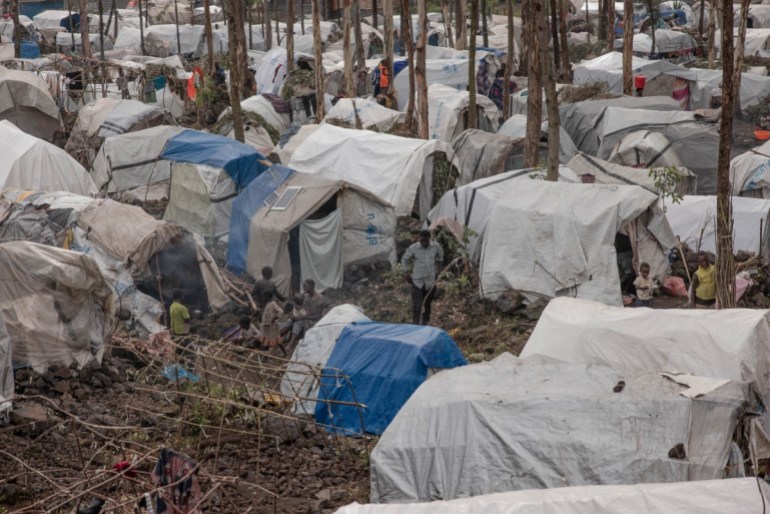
(290, 36)
(611, 24)
(447, 22)
(374, 13)
(406, 34)
(15, 5)
(100, 6)
(473, 121)
(176, 23)
(508, 61)
(319, 70)
(360, 54)
(347, 56)
(553, 34)
(462, 34)
(547, 69)
(602, 26)
(235, 80)
(302, 16)
(267, 32)
(387, 27)
(534, 87)
(628, 45)
(712, 32)
(141, 25)
(724, 259)
(739, 55)
(209, 36)
(565, 65)
(419, 71)
(84, 29)
(484, 32)
(246, 79)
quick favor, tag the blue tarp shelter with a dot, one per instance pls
(241, 162)
(379, 365)
(245, 207)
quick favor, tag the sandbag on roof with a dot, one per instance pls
(705, 497)
(31, 163)
(513, 424)
(56, 304)
(549, 239)
(26, 101)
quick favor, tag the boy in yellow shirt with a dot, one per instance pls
(704, 284)
(179, 315)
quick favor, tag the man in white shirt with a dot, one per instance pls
(425, 257)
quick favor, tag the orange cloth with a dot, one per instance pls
(384, 78)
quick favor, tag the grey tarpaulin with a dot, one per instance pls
(320, 249)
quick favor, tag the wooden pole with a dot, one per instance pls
(346, 49)
(547, 70)
(460, 22)
(176, 23)
(84, 40)
(72, 25)
(302, 16)
(101, 29)
(360, 54)
(447, 22)
(419, 71)
(628, 41)
(565, 65)
(319, 71)
(508, 62)
(267, 31)
(387, 22)
(235, 80)
(290, 36)
(115, 17)
(406, 34)
(141, 26)
(210, 36)
(473, 121)
(17, 27)
(484, 32)
(374, 13)
(534, 87)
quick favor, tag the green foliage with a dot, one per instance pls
(444, 176)
(666, 181)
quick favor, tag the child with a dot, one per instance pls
(271, 331)
(704, 284)
(643, 285)
(248, 335)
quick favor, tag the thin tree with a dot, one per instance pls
(447, 22)
(460, 23)
(319, 70)
(360, 53)
(565, 65)
(141, 25)
(554, 33)
(235, 80)
(267, 31)
(209, 36)
(374, 13)
(387, 27)
(100, 6)
(611, 25)
(406, 34)
(419, 71)
(534, 87)
(176, 24)
(473, 121)
(548, 71)
(628, 44)
(17, 28)
(84, 29)
(508, 61)
(346, 49)
(712, 34)
(484, 32)
(290, 36)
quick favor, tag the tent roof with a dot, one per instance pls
(240, 161)
(611, 173)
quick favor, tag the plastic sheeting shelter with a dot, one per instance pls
(515, 424)
(449, 72)
(31, 163)
(393, 168)
(694, 221)
(57, 306)
(693, 138)
(384, 364)
(604, 172)
(448, 112)
(704, 497)
(199, 173)
(548, 239)
(26, 102)
(749, 172)
(729, 344)
(480, 154)
(300, 381)
(370, 114)
(516, 127)
(334, 224)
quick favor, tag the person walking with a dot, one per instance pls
(425, 258)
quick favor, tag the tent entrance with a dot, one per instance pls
(320, 249)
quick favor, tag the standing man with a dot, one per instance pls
(313, 302)
(425, 257)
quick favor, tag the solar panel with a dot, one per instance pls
(288, 196)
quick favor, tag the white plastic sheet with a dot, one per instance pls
(320, 250)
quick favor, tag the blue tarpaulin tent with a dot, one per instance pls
(241, 162)
(245, 206)
(384, 364)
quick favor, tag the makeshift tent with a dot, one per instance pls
(263, 124)
(729, 344)
(300, 381)
(57, 306)
(6, 372)
(200, 173)
(479, 154)
(549, 239)
(704, 497)
(516, 127)
(604, 172)
(693, 138)
(370, 114)
(449, 72)
(26, 102)
(666, 42)
(758, 14)
(693, 219)
(130, 247)
(382, 365)
(31, 163)
(581, 119)
(106, 117)
(471, 205)
(643, 149)
(514, 424)
(748, 172)
(333, 223)
(448, 112)
(393, 168)
(292, 140)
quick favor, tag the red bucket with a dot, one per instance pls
(639, 81)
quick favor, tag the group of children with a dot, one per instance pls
(703, 285)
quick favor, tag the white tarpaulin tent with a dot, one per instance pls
(57, 306)
(31, 163)
(392, 167)
(666, 41)
(693, 219)
(480, 154)
(693, 138)
(605, 172)
(516, 126)
(301, 379)
(448, 108)
(703, 497)
(749, 172)
(552, 239)
(513, 424)
(26, 101)
(369, 113)
(730, 344)
(449, 72)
